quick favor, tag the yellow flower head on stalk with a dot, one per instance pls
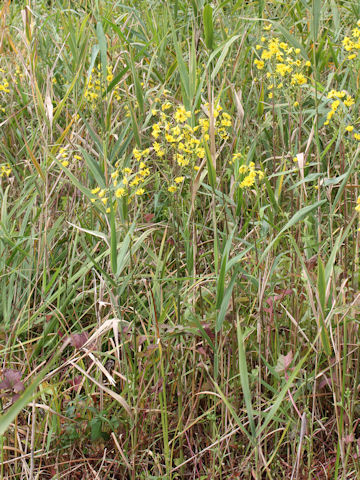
(166, 106)
(5, 170)
(349, 101)
(352, 45)
(226, 120)
(120, 192)
(298, 79)
(181, 115)
(156, 129)
(137, 154)
(260, 64)
(172, 188)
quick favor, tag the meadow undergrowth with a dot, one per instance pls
(179, 239)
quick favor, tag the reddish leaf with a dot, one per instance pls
(78, 340)
(76, 382)
(12, 381)
(148, 217)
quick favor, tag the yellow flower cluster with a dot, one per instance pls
(282, 63)
(352, 45)
(4, 88)
(5, 170)
(175, 143)
(343, 100)
(125, 182)
(248, 174)
(101, 196)
(96, 87)
(64, 156)
(175, 139)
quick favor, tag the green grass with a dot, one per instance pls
(180, 300)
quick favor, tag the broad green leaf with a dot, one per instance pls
(208, 26)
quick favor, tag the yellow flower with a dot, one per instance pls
(120, 192)
(137, 154)
(283, 69)
(136, 181)
(140, 191)
(349, 128)
(226, 120)
(5, 170)
(181, 160)
(259, 64)
(169, 138)
(172, 188)
(349, 101)
(64, 163)
(298, 78)
(335, 105)
(156, 130)
(179, 179)
(200, 152)
(181, 115)
(248, 181)
(166, 106)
